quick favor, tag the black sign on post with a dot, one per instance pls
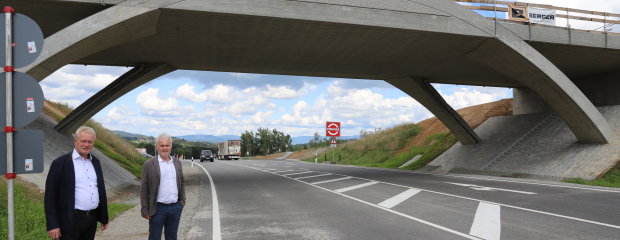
(27, 152)
(28, 40)
(27, 99)
(22, 44)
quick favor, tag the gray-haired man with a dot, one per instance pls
(162, 191)
(75, 197)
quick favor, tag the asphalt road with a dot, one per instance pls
(283, 199)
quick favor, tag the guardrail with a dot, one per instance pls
(572, 18)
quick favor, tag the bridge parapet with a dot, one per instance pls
(546, 15)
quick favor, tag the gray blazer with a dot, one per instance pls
(150, 185)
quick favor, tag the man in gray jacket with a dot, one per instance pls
(162, 191)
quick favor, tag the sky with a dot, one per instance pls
(219, 103)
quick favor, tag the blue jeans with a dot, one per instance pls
(166, 217)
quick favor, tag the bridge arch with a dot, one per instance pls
(133, 20)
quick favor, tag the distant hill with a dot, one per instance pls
(124, 134)
(220, 138)
(189, 138)
(208, 138)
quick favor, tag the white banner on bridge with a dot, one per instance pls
(541, 15)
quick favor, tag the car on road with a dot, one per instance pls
(206, 155)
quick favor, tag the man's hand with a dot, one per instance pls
(147, 217)
(104, 226)
(54, 233)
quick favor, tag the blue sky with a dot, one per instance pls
(218, 103)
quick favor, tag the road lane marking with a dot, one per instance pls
(313, 176)
(331, 180)
(281, 171)
(346, 189)
(482, 188)
(464, 235)
(217, 235)
(541, 184)
(289, 174)
(602, 189)
(461, 197)
(487, 222)
(401, 197)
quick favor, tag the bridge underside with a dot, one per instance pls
(332, 39)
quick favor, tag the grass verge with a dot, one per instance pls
(29, 211)
(610, 179)
(382, 149)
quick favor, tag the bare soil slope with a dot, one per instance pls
(474, 116)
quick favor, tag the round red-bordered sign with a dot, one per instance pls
(332, 129)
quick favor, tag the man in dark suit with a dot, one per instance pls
(162, 191)
(75, 197)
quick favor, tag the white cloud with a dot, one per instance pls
(186, 92)
(469, 96)
(151, 104)
(283, 92)
(74, 84)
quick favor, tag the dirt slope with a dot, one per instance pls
(474, 116)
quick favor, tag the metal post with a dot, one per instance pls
(495, 17)
(570, 40)
(9, 119)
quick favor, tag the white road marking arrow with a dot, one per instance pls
(481, 188)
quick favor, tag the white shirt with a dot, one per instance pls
(86, 193)
(168, 192)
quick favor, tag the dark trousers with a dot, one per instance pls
(84, 227)
(166, 217)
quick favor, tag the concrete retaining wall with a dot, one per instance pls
(532, 145)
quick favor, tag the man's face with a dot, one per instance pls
(84, 143)
(164, 147)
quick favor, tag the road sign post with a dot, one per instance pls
(23, 41)
(332, 129)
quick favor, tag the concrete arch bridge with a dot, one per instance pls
(408, 43)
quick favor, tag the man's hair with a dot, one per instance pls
(84, 129)
(162, 136)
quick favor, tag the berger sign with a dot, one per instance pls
(541, 15)
(332, 129)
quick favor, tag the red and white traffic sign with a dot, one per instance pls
(332, 129)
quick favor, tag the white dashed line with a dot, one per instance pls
(355, 187)
(487, 222)
(331, 180)
(313, 176)
(289, 174)
(482, 188)
(401, 197)
(281, 171)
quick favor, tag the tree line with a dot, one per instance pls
(264, 142)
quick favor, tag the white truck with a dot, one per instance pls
(229, 149)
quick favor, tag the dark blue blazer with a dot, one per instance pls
(60, 194)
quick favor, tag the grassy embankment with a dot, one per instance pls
(29, 213)
(389, 149)
(107, 142)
